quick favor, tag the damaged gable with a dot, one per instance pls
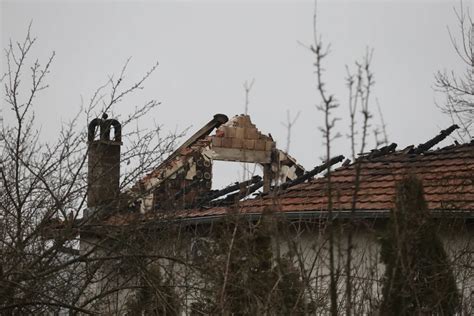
(239, 140)
(184, 179)
(183, 182)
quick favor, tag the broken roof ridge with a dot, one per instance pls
(222, 123)
(435, 140)
(410, 149)
(236, 197)
(385, 150)
(229, 189)
(216, 121)
(308, 175)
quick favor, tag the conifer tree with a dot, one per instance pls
(418, 277)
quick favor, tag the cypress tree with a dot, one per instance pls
(418, 277)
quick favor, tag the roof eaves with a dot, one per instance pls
(347, 214)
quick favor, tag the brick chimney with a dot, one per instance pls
(104, 164)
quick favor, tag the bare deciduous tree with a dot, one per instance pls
(43, 185)
(362, 82)
(459, 88)
(289, 124)
(327, 106)
(263, 264)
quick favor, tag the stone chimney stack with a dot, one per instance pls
(103, 176)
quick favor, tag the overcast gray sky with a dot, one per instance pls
(207, 49)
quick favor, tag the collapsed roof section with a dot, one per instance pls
(182, 183)
(184, 179)
(447, 175)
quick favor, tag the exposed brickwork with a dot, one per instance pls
(447, 174)
(103, 177)
(192, 181)
(240, 133)
(180, 181)
(103, 173)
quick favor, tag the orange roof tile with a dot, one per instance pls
(447, 174)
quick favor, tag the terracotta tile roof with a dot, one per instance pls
(447, 174)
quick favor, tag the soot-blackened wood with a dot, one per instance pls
(312, 173)
(217, 121)
(383, 151)
(442, 135)
(229, 189)
(186, 189)
(235, 197)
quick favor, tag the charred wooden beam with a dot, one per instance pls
(383, 151)
(217, 121)
(229, 189)
(346, 162)
(235, 197)
(186, 189)
(429, 144)
(312, 173)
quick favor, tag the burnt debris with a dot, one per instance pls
(241, 186)
(310, 174)
(235, 197)
(435, 140)
(375, 153)
(191, 186)
(184, 179)
(217, 121)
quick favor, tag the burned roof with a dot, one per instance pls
(447, 174)
(184, 179)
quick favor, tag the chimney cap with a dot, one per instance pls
(105, 125)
